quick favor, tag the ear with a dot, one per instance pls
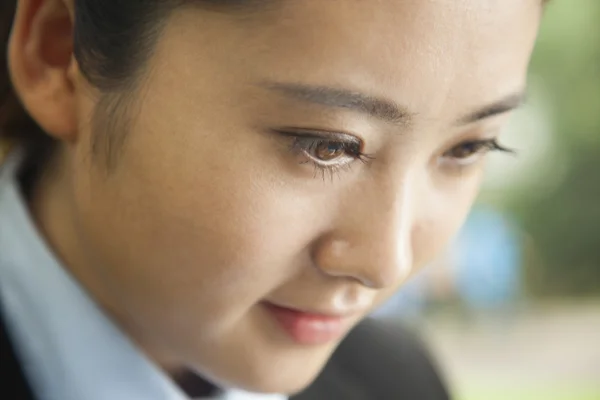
(42, 65)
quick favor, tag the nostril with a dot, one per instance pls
(382, 277)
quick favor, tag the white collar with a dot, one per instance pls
(69, 348)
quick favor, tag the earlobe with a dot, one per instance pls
(42, 65)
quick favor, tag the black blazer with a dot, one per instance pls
(377, 361)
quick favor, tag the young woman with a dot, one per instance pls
(224, 189)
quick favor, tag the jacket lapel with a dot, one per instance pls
(14, 383)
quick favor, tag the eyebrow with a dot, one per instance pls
(504, 105)
(376, 107)
(382, 108)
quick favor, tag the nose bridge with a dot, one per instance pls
(372, 242)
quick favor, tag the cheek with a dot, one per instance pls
(440, 218)
(196, 231)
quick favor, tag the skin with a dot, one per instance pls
(207, 211)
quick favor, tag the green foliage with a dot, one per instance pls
(566, 226)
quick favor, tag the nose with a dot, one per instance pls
(371, 242)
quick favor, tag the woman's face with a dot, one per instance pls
(310, 156)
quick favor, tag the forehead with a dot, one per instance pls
(423, 53)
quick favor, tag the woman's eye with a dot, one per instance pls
(465, 150)
(470, 152)
(326, 152)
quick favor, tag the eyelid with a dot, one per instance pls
(320, 134)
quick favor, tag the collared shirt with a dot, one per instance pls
(69, 348)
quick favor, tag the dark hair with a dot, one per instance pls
(111, 41)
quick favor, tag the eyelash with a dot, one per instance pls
(306, 142)
(475, 148)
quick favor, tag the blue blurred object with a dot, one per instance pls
(408, 302)
(489, 258)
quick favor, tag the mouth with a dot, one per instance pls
(308, 327)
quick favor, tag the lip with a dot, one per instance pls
(307, 327)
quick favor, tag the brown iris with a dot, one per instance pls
(328, 151)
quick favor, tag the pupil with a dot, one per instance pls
(466, 150)
(329, 151)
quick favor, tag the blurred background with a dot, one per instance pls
(512, 309)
